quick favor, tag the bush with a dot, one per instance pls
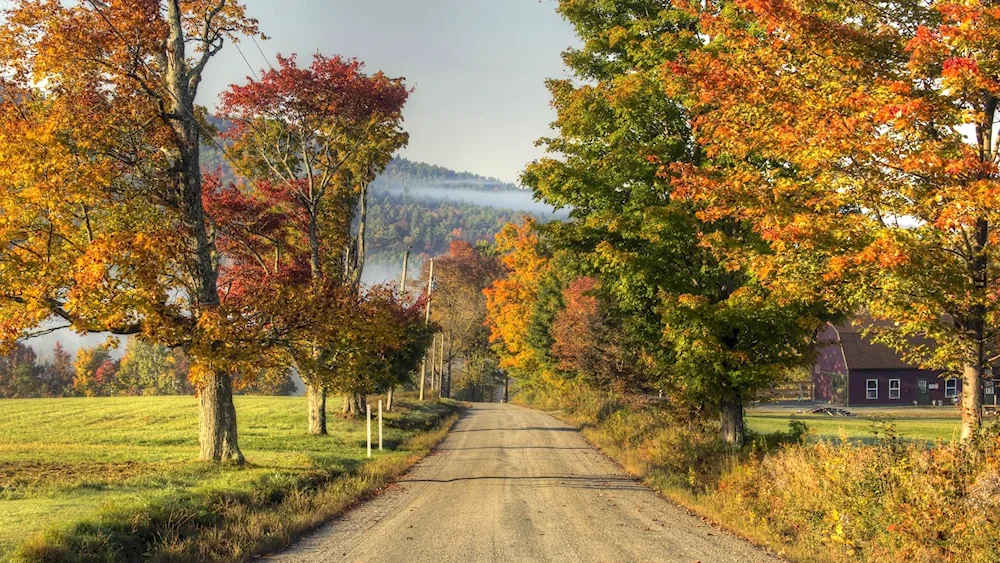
(887, 501)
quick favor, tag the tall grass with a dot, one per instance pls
(884, 499)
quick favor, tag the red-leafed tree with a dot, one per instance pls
(459, 305)
(583, 336)
(311, 140)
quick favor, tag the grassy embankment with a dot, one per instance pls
(114, 479)
(849, 489)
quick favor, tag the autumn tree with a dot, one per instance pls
(381, 342)
(459, 305)
(92, 369)
(866, 136)
(19, 373)
(58, 375)
(708, 330)
(104, 225)
(510, 302)
(312, 140)
(586, 338)
(148, 369)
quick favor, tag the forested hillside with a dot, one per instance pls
(422, 207)
(405, 173)
(426, 225)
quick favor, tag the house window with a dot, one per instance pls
(872, 387)
(988, 387)
(893, 388)
(951, 388)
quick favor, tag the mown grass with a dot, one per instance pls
(926, 425)
(116, 478)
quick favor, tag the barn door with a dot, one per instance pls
(923, 396)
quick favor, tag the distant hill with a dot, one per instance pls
(403, 172)
(423, 207)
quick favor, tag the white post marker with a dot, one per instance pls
(380, 425)
(368, 409)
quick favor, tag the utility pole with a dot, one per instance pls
(402, 295)
(441, 368)
(427, 320)
(402, 282)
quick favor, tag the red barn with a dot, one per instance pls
(852, 370)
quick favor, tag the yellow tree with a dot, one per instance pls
(103, 224)
(511, 300)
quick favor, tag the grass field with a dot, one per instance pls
(919, 424)
(72, 466)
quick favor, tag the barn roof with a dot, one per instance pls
(861, 353)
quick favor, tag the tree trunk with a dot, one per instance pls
(352, 409)
(731, 422)
(357, 404)
(972, 401)
(218, 420)
(972, 376)
(359, 252)
(317, 409)
(345, 408)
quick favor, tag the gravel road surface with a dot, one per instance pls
(514, 484)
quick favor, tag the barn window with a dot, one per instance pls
(951, 388)
(872, 387)
(893, 388)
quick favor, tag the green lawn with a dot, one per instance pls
(921, 424)
(63, 461)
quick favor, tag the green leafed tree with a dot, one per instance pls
(709, 331)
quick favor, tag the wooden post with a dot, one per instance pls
(423, 377)
(402, 295)
(433, 362)
(380, 425)
(368, 409)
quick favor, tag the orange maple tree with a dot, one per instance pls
(861, 140)
(511, 300)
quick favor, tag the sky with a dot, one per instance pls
(479, 68)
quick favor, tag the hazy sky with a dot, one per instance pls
(478, 67)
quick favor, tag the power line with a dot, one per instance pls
(252, 71)
(261, 51)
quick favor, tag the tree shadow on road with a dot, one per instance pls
(553, 429)
(603, 483)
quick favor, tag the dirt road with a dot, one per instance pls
(513, 484)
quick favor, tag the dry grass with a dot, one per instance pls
(885, 498)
